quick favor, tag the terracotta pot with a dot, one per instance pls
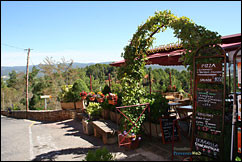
(100, 100)
(91, 98)
(112, 102)
(84, 97)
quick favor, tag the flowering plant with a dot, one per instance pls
(91, 94)
(112, 96)
(83, 93)
(130, 141)
(100, 95)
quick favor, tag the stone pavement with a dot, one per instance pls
(148, 151)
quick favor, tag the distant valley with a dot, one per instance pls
(5, 70)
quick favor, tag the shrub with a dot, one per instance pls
(78, 86)
(106, 90)
(93, 109)
(101, 154)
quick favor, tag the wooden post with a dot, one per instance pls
(170, 77)
(150, 82)
(109, 80)
(27, 78)
(91, 82)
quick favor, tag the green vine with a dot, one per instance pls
(191, 35)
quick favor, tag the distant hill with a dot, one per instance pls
(5, 70)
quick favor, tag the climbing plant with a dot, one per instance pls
(191, 35)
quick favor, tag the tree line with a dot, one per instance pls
(58, 74)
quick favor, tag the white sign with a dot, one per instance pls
(45, 96)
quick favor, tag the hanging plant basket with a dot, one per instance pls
(84, 97)
(112, 102)
(91, 98)
(100, 100)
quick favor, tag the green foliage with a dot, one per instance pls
(3, 83)
(12, 81)
(93, 109)
(106, 90)
(158, 106)
(101, 154)
(78, 86)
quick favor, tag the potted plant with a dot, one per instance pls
(91, 96)
(83, 95)
(100, 97)
(112, 98)
(79, 86)
(158, 108)
(130, 141)
(66, 97)
(93, 113)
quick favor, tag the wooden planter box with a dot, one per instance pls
(87, 127)
(105, 114)
(67, 105)
(115, 117)
(128, 142)
(80, 106)
(155, 129)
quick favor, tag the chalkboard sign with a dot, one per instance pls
(207, 147)
(211, 99)
(209, 73)
(208, 123)
(166, 125)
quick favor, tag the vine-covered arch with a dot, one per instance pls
(191, 35)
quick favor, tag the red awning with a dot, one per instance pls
(174, 57)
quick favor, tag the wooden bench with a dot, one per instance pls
(107, 130)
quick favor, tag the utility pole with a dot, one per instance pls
(27, 83)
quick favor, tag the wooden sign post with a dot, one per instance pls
(209, 79)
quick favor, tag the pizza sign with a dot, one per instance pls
(209, 73)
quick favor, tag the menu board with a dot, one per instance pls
(239, 74)
(207, 147)
(209, 73)
(166, 124)
(239, 107)
(208, 123)
(211, 99)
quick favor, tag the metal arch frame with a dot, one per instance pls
(234, 104)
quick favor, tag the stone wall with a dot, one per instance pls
(42, 115)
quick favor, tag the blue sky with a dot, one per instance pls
(89, 31)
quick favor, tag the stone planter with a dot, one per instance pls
(67, 105)
(105, 114)
(155, 129)
(87, 127)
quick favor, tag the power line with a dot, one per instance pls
(12, 46)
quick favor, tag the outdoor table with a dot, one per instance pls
(173, 106)
(170, 97)
(184, 110)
